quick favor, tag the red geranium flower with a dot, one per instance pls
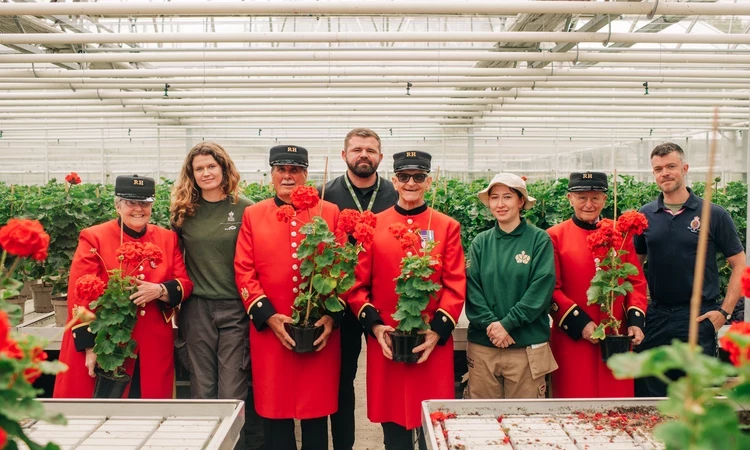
(4, 327)
(305, 197)
(73, 178)
(746, 282)
(285, 213)
(89, 287)
(11, 349)
(131, 253)
(737, 353)
(397, 229)
(3, 438)
(152, 253)
(368, 218)
(348, 219)
(604, 239)
(364, 233)
(409, 241)
(25, 238)
(31, 374)
(632, 223)
(38, 355)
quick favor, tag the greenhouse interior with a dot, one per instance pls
(536, 88)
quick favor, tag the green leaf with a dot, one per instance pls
(325, 259)
(599, 332)
(332, 304)
(629, 270)
(306, 267)
(323, 285)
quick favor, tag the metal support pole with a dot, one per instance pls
(470, 151)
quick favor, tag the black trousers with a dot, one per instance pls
(396, 437)
(342, 421)
(663, 324)
(278, 434)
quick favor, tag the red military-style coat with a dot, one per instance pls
(153, 329)
(582, 374)
(396, 390)
(285, 384)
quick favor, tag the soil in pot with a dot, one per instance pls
(402, 346)
(41, 294)
(303, 337)
(60, 304)
(107, 386)
(612, 345)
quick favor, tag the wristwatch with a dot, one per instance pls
(726, 315)
(162, 290)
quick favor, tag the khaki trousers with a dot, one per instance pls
(509, 372)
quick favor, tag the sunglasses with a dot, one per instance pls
(418, 177)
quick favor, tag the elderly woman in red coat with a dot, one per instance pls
(160, 288)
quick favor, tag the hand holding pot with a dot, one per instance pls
(276, 324)
(430, 341)
(327, 323)
(588, 330)
(90, 361)
(636, 333)
(384, 339)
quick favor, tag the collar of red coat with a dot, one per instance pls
(411, 212)
(131, 232)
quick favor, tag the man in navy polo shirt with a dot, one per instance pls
(670, 245)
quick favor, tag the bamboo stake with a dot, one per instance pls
(614, 189)
(700, 259)
(434, 194)
(325, 180)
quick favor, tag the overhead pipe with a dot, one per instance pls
(337, 71)
(362, 37)
(363, 7)
(446, 95)
(213, 84)
(385, 81)
(376, 55)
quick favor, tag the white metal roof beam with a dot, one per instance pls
(363, 8)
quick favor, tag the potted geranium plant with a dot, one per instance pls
(610, 280)
(327, 265)
(22, 357)
(414, 288)
(115, 315)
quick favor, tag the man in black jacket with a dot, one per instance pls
(362, 189)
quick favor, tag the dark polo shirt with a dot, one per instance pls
(337, 193)
(671, 243)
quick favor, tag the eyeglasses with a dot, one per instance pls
(134, 203)
(595, 200)
(418, 177)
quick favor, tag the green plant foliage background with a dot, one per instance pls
(65, 213)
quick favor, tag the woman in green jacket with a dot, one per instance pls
(510, 279)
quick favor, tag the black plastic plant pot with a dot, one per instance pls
(108, 386)
(303, 337)
(612, 345)
(402, 346)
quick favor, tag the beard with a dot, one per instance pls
(362, 168)
(675, 187)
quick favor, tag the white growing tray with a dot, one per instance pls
(100, 424)
(531, 424)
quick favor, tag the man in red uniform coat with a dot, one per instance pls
(161, 287)
(396, 390)
(582, 374)
(286, 385)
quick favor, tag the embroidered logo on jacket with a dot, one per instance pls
(695, 224)
(523, 258)
(230, 217)
(244, 293)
